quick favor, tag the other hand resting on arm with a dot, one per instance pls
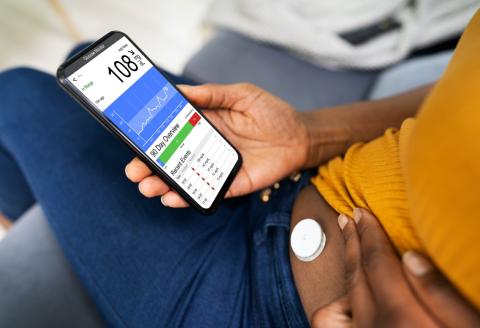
(381, 292)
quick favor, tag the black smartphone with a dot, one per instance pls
(121, 87)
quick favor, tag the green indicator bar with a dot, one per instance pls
(176, 142)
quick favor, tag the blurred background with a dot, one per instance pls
(40, 33)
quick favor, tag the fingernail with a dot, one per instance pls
(141, 187)
(342, 221)
(357, 214)
(416, 263)
(163, 202)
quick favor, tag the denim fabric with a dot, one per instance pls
(15, 194)
(144, 265)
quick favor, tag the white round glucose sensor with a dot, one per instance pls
(307, 240)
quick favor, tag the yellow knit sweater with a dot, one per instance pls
(423, 181)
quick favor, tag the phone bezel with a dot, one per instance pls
(92, 110)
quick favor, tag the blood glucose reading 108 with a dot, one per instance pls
(133, 95)
(122, 69)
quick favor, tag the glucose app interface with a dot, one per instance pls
(130, 92)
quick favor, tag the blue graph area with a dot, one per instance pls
(146, 108)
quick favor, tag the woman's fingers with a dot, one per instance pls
(172, 199)
(437, 294)
(218, 96)
(359, 293)
(378, 287)
(136, 170)
(380, 261)
(152, 186)
(374, 276)
(336, 315)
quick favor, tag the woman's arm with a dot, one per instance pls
(274, 139)
(331, 131)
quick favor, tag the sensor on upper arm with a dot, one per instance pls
(307, 240)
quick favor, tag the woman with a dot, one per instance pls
(148, 265)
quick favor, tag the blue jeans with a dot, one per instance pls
(143, 264)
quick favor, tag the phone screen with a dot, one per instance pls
(132, 94)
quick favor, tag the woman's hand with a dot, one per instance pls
(267, 131)
(384, 293)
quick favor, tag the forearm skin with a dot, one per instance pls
(331, 131)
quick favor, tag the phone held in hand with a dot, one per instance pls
(121, 87)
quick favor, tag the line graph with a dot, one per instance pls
(146, 108)
(140, 121)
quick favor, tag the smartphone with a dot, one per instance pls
(121, 87)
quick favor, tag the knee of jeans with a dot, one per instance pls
(22, 89)
(18, 74)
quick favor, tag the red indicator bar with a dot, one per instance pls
(194, 119)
